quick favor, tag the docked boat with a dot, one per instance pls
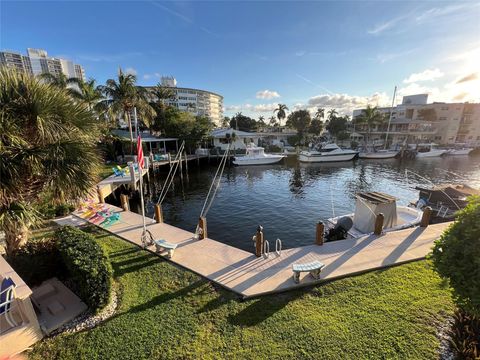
(459, 149)
(373, 153)
(445, 200)
(429, 150)
(256, 156)
(327, 153)
(362, 222)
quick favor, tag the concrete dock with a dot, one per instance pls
(250, 276)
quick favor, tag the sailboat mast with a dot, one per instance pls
(390, 117)
(140, 173)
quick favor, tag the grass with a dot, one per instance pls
(106, 170)
(166, 312)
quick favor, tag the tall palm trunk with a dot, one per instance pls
(16, 235)
(127, 115)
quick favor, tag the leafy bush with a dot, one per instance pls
(88, 266)
(465, 336)
(274, 149)
(456, 256)
(37, 261)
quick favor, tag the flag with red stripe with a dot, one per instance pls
(141, 161)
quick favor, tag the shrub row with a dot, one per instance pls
(87, 265)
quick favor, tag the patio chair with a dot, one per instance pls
(110, 220)
(7, 296)
(118, 173)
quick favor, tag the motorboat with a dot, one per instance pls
(445, 200)
(373, 153)
(429, 150)
(327, 153)
(459, 149)
(362, 222)
(255, 155)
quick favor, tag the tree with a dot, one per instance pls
(163, 93)
(299, 120)
(456, 256)
(320, 114)
(370, 117)
(47, 146)
(337, 126)
(316, 127)
(89, 93)
(273, 120)
(123, 95)
(261, 122)
(281, 112)
(60, 80)
(332, 114)
(226, 121)
(243, 123)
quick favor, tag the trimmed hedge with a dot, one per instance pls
(87, 264)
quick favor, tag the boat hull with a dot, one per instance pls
(378, 155)
(459, 152)
(326, 158)
(247, 161)
(431, 153)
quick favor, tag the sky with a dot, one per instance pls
(331, 54)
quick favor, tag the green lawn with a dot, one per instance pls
(167, 312)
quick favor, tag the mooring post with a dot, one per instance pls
(198, 160)
(124, 202)
(202, 226)
(131, 169)
(169, 160)
(379, 224)
(259, 241)
(427, 213)
(100, 195)
(158, 213)
(320, 231)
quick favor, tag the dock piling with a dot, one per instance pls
(259, 241)
(320, 231)
(379, 224)
(202, 225)
(426, 217)
(124, 202)
(186, 161)
(100, 195)
(158, 213)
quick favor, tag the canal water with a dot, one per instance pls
(288, 199)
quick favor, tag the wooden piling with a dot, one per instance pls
(158, 213)
(186, 161)
(202, 225)
(124, 202)
(100, 195)
(259, 241)
(379, 224)
(320, 231)
(427, 213)
(198, 160)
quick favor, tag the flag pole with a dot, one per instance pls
(140, 173)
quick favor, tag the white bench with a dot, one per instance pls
(314, 268)
(163, 244)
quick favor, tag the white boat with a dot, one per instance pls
(327, 153)
(429, 150)
(362, 222)
(459, 149)
(256, 156)
(377, 154)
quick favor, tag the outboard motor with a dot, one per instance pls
(340, 231)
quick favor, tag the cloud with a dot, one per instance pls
(151, 76)
(267, 94)
(380, 28)
(131, 70)
(385, 57)
(115, 58)
(426, 75)
(300, 53)
(469, 77)
(344, 103)
(252, 108)
(434, 13)
(460, 96)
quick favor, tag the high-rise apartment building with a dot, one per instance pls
(417, 121)
(38, 62)
(198, 102)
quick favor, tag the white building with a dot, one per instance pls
(221, 138)
(38, 62)
(417, 121)
(198, 102)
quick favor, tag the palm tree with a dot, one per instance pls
(123, 95)
(332, 114)
(87, 92)
(272, 121)
(370, 116)
(59, 80)
(163, 93)
(281, 112)
(47, 147)
(320, 114)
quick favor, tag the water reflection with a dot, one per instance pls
(289, 198)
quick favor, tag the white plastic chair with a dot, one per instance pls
(7, 297)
